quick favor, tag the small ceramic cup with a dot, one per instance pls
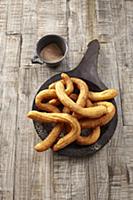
(43, 42)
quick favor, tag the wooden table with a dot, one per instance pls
(26, 174)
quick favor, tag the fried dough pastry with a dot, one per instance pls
(52, 85)
(46, 95)
(50, 139)
(82, 98)
(91, 123)
(69, 88)
(102, 96)
(59, 117)
(80, 111)
(55, 132)
(92, 112)
(91, 138)
(81, 85)
(68, 82)
(83, 91)
(74, 97)
(56, 102)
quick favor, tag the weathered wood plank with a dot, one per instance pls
(14, 16)
(128, 136)
(3, 15)
(29, 32)
(62, 178)
(52, 17)
(29, 10)
(98, 184)
(123, 21)
(2, 50)
(8, 115)
(79, 179)
(33, 170)
(108, 70)
(33, 179)
(28, 49)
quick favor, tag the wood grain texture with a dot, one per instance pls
(32, 170)
(29, 17)
(124, 52)
(14, 16)
(128, 133)
(108, 70)
(77, 30)
(26, 174)
(8, 115)
(62, 178)
(3, 15)
(98, 176)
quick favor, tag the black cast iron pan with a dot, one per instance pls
(86, 70)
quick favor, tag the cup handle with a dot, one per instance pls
(36, 59)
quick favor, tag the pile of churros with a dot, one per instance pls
(59, 104)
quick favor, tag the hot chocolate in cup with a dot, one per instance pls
(50, 49)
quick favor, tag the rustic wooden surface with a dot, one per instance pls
(25, 174)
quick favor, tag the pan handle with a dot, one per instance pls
(87, 68)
